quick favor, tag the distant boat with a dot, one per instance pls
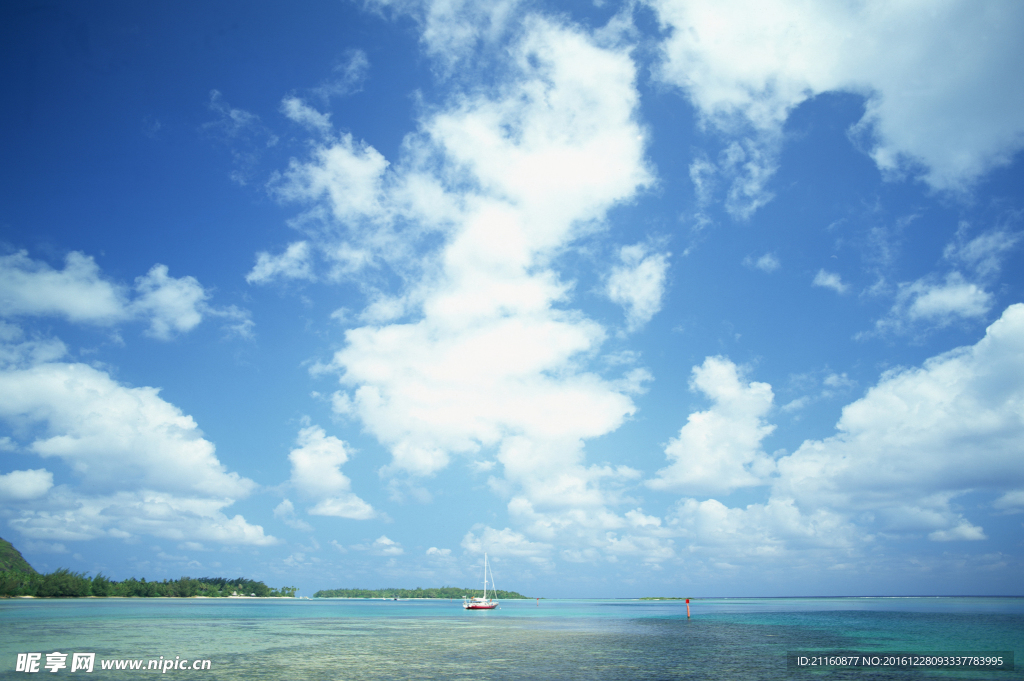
(483, 603)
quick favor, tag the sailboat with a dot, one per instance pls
(484, 603)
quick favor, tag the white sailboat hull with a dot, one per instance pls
(484, 603)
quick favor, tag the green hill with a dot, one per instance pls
(12, 560)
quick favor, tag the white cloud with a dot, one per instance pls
(899, 451)
(702, 174)
(70, 516)
(346, 174)
(838, 381)
(80, 294)
(638, 284)
(637, 518)
(750, 165)
(351, 74)
(26, 352)
(894, 468)
(453, 30)
(758, 532)
(984, 253)
(652, 550)
(316, 474)
(171, 305)
(141, 465)
(285, 511)
(236, 320)
(1011, 500)
(479, 354)
(964, 531)
(111, 435)
(490, 357)
(768, 262)
(382, 546)
(934, 303)
(23, 485)
(294, 263)
(797, 404)
(505, 543)
(439, 553)
(943, 100)
(305, 115)
(829, 280)
(954, 298)
(719, 450)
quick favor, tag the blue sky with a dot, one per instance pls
(654, 298)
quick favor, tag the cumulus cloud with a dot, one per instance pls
(28, 484)
(488, 361)
(638, 283)
(930, 302)
(759, 532)
(830, 280)
(746, 66)
(1012, 501)
(141, 466)
(171, 305)
(899, 450)
(942, 302)
(937, 301)
(285, 511)
(125, 515)
(984, 253)
(719, 450)
(478, 354)
(767, 263)
(453, 30)
(294, 263)
(16, 352)
(305, 115)
(894, 468)
(964, 531)
(111, 435)
(316, 474)
(80, 293)
(382, 546)
(347, 174)
(505, 543)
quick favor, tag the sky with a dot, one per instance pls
(664, 297)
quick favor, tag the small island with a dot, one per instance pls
(448, 592)
(667, 598)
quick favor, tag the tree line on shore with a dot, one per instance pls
(18, 578)
(439, 592)
(63, 583)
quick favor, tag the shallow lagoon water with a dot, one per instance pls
(742, 638)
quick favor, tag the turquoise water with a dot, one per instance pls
(570, 639)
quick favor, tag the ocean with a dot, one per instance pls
(340, 639)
